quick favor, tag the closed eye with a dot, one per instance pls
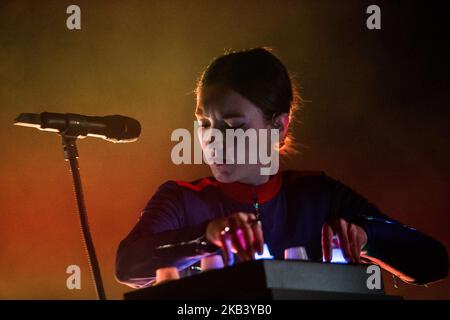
(234, 126)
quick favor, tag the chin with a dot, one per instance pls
(224, 173)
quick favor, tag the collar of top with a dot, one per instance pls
(246, 193)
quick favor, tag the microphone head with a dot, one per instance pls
(32, 120)
(121, 129)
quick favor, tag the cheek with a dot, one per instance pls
(203, 136)
(200, 135)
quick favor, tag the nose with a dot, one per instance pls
(214, 143)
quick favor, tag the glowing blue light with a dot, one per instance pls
(265, 255)
(338, 257)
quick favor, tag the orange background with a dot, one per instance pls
(376, 117)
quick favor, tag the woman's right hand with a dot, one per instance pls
(242, 230)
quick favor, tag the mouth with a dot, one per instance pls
(224, 162)
(218, 164)
(221, 165)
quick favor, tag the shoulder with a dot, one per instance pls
(310, 178)
(293, 177)
(184, 186)
(307, 181)
(178, 193)
(196, 185)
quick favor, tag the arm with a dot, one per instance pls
(161, 224)
(406, 252)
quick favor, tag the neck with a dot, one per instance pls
(256, 180)
(263, 188)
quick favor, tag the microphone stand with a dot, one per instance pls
(71, 155)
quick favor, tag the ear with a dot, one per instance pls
(281, 122)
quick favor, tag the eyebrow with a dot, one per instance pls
(232, 115)
(199, 112)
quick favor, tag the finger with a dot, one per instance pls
(354, 243)
(258, 236)
(237, 238)
(343, 239)
(226, 249)
(327, 242)
(237, 241)
(248, 236)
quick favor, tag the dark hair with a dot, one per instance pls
(259, 76)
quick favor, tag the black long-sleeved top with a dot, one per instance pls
(293, 206)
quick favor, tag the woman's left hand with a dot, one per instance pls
(351, 239)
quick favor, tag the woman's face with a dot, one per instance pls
(221, 108)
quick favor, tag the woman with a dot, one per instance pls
(185, 221)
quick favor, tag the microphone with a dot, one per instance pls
(114, 128)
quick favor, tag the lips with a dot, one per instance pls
(219, 164)
(224, 162)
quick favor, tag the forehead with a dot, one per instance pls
(219, 100)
